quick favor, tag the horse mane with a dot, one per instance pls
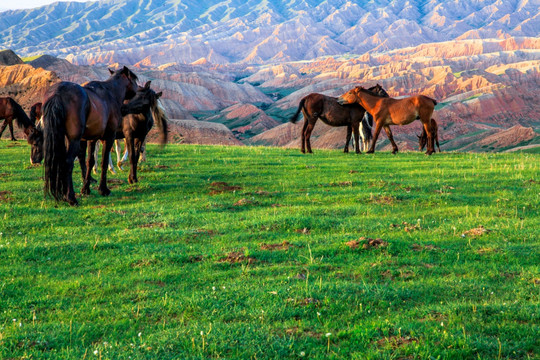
(370, 92)
(22, 120)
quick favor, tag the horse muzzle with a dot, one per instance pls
(341, 101)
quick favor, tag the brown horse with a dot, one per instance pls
(390, 111)
(11, 110)
(136, 124)
(318, 106)
(72, 113)
(422, 139)
(35, 112)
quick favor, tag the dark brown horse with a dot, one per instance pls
(72, 113)
(35, 112)
(318, 106)
(422, 139)
(136, 124)
(390, 111)
(11, 110)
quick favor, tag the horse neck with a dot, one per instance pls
(117, 89)
(367, 101)
(22, 119)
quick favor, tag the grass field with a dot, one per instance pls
(239, 252)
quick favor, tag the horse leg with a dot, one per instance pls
(90, 162)
(107, 146)
(3, 127)
(430, 143)
(11, 130)
(118, 150)
(137, 150)
(356, 129)
(72, 152)
(82, 159)
(111, 166)
(348, 139)
(303, 147)
(391, 138)
(133, 157)
(308, 136)
(142, 153)
(378, 129)
(96, 156)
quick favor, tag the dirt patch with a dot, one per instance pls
(12, 144)
(161, 166)
(4, 196)
(367, 243)
(235, 257)
(142, 263)
(487, 250)
(343, 183)
(396, 341)
(155, 282)
(353, 172)
(153, 225)
(4, 175)
(244, 202)
(418, 247)
(303, 302)
(406, 226)
(479, 231)
(195, 258)
(218, 187)
(119, 212)
(283, 246)
(304, 231)
(382, 199)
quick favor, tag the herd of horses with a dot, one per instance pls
(73, 118)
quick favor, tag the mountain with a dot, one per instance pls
(158, 32)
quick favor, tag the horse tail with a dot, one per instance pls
(160, 118)
(294, 118)
(54, 146)
(367, 124)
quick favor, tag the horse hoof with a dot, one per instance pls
(370, 151)
(85, 191)
(104, 192)
(394, 152)
(346, 151)
(358, 152)
(72, 201)
(92, 180)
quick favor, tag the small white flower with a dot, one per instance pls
(213, 288)
(140, 334)
(328, 334)
(20, 233)
(442, 323)
(14, 320)
(202, 333)
(302, 353)
(20, 324)
(318, 313)
(96, 352)
(223, 287)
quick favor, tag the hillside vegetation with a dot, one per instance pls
(249, 252)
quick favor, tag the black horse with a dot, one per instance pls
(72, 113)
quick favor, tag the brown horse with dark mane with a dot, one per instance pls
(390, 111)
(36, 112)
(422, 139)
(140, 114)
(11, 110)
(72, 113)
(318, 106)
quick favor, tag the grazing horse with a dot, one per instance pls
(422, 139)
(72, 113)
(136, 124)
(10, 110)
(35, 112)
(390, 111)
(317, 106)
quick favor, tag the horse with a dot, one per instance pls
(318, 106)
(422, 139)
(72, 113)
(36, 112)
(365, 130)
(11, 110)
(136, 125)
(390, 111)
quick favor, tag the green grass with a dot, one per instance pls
(175, 267)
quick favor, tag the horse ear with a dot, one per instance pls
(147, 85)
(111, 71)
(158, 95)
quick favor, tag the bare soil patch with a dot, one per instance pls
(218, 187)
(479, 231)
(283, 246)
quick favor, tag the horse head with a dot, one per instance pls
(128, 78)
(34, 137)
(350, 97)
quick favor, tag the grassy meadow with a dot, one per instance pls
(266, 253)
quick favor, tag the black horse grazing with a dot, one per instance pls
(36, 112)
(317, 106)
(422, 139)
(72, 113)
(136, 124)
